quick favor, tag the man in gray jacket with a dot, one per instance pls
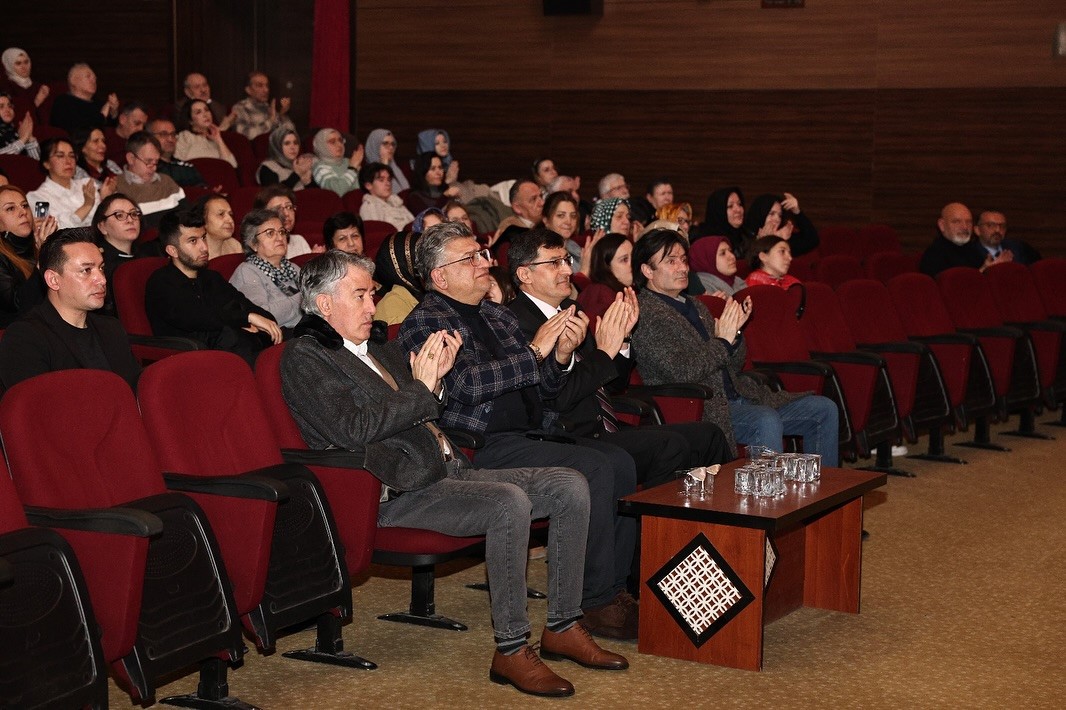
(348, 392)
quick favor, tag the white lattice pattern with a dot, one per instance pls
(771, 560)
(699, 590)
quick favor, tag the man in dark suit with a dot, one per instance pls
(498, 387)
(540, 268)
(348, 392)
(992, 241)
(63, 332)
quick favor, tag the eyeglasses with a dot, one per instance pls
(483, 256)
(123, 216)
(271, 233)
(556, 263)
(165, 134)
(285, 208)
(148, 163)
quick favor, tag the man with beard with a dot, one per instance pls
(952, 246)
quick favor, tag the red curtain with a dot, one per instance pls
(330, 84)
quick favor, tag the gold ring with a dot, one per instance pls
(430, 356)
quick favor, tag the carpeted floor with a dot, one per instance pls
(962, 607)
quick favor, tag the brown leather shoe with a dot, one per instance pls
(525, 671)
(617, 619)
(575, 644)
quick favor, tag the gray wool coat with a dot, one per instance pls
(668, 349)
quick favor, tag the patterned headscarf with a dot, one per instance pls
(604, 212)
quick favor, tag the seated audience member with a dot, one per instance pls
(770, 259)
(26, 94)
(200, 137)
(348, 392)
(714, 262)
(266, 277)
(331, 170)
(527, 202)
(679, 213)
(63, 332)
(256, 113)
(611, 216)
(428, 188)
(724, 217)
(217, 215)
(343, 231)
(396, 272)
(952, 246)
(379, 202)
(498, 387)
(90, 144)
(181, 172)
(560, 214)
(19, 237)
(456, 212)
(565, 183)
(678, 340)
(991, 231)
(539, 267)
(426, 219)
(286, 165)
(437, 140)
(71, 200)
(381, 148)
(186, 299)
(777, 215)
(544, 173)
(659, 194)
(282, 200)
(501, 290)
(610, 273)
(3, 178)
(16, 137)
(76, 108)
(197, 87)
(132, 117)
(613, 185)
(153, 193)
(116, 226)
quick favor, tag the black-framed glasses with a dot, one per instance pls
(479, 256)
(271, 233)
(149, 163)
(556, 263)
(122, 215)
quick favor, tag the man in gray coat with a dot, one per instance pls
(347, 392)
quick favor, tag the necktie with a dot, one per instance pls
(609, 418)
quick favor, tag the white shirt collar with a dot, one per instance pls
(546, 308)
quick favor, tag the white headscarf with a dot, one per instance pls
(8, 59)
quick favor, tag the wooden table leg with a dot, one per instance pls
(833, 565)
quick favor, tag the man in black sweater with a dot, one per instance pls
(187, 299)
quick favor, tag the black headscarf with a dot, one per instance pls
(716, 220)
(395, 263)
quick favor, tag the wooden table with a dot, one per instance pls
(812, 537)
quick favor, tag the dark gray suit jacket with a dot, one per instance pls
(338, 401)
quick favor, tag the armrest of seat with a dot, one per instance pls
(910, 347)
(672, 389)
(465, 439)
(994, 332)
(114, 521)
(1051, 326)
(855, 357)
(798, 367)
(169, 342)
(333, 458)
(765, 378)
(631, 405)
(253, 485)
(957, 338)
(7, 572)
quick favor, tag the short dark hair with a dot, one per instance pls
(512, 195)
(341, 220)
(370, 171)
(656, 182)
(551, 203)
(171, 223)
(536, 165)
(185, 119)
(105, 206)
(52, 255)
(655, 241)
(48, 146)
(269, 192)
(524, 248)
(131, 106)
(140, 139)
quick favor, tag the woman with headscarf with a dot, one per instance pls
(724, 216)
(331, 171)
(714, 263)
(777, 215)
(285, 164)
(395, 267)
(611, 215)
(429, 189)
(381, 148)
(16, 137)
(26, 94)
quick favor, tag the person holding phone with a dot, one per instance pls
(20, 237)
(72, 200)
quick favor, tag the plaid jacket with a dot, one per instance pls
(477, 379)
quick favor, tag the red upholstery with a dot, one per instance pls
(23, 171)
(835, 269)
(773, 333)
(303, 258)
(1049, 275)
(878, 237)
(317, 205)
(241, 201)
(261, 148)
(116, 146)
(226, 264)
(218, 172)
(374, 233)
(311, 230)
(353, 201)
(884, 265)
(839, 239)
(129, 285)
(803, 267)
(714, 304)
(241, 148)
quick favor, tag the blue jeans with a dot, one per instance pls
(813, 417)
(500, 504)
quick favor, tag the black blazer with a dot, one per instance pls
(575, 409)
